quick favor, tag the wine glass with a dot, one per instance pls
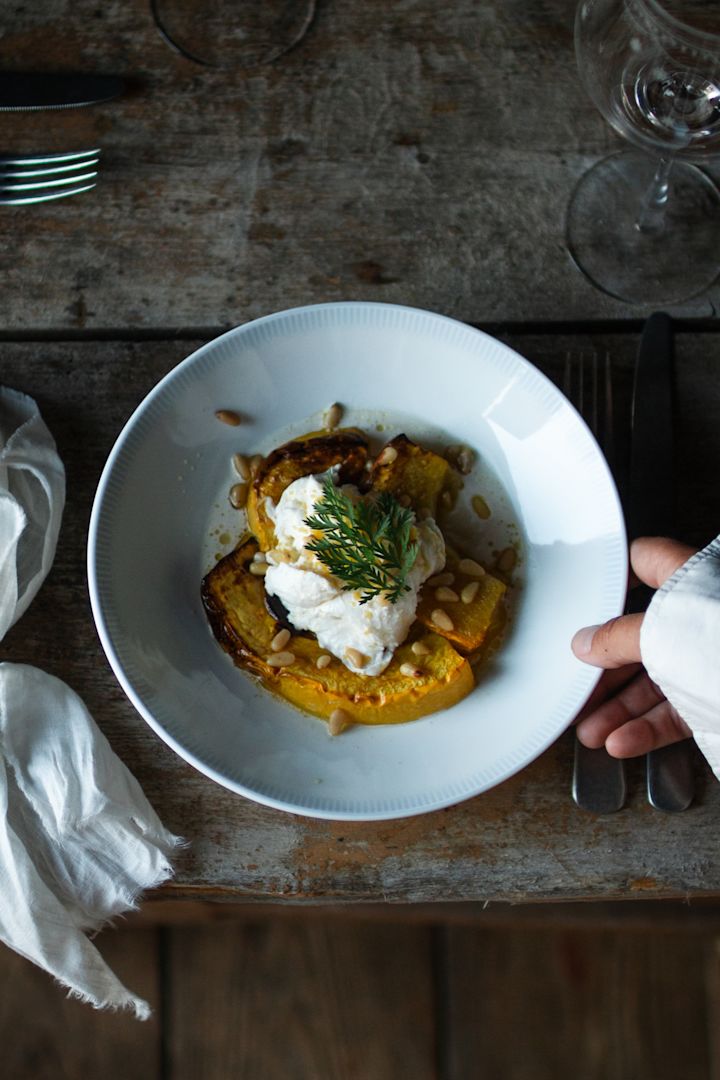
(643, 225)
(228, 34)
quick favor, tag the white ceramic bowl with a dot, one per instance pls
(161, 508)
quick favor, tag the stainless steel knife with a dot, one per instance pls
(651, 512)
(24, 90)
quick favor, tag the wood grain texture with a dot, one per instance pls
(294, 1002)
(46, 1036)
(522, 841)
(411, 152)
(538, 1006)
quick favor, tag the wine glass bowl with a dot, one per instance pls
(640, 226)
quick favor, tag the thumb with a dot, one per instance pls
(611, 645)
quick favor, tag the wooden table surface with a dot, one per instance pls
(415, 153)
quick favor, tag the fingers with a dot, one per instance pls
(610, 682)
(638, 719)
(611, 645)
(660, 727)
(655, 558)
(639, 696)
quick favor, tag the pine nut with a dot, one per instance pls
(480, 507)
(228, 416)
(470, 592)
(256, 463)
(410, 671)
(441, 579)
(356, 658)
(465, 460)
(420, 648)
(338, 721)
(323, 661)
(447, 500)
(259, 556)
(241, 466)
(442, 620)
(447, 595)
(280, 640)
(238, 496)
(471, 568)
(281, 659)
(259, 569)
(387, 456)
(507, 559)
(333, 416)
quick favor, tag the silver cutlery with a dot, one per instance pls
(599, 782)
(27, 178)
(29, 90)
(651, 511)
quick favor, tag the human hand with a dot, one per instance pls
(627, 713)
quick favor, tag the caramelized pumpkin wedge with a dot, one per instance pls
(313, 453)
(404, 468)
(234, 600)
(473, 622)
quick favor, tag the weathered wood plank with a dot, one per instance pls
(410, 152)
(602, 1006)
(45, 1035)
(273, 1000)
(522, 841)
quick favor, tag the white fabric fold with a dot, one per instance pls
(680, 646)
(79, 842)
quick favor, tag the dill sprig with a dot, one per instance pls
(367, 544)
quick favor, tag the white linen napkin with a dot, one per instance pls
(79, 841)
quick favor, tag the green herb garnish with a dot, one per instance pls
(366, 545)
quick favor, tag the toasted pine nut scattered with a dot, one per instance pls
(238, 496)
(338, 721)
(442, 620)
(471, 568)
(420, 648)
(441, 579)
(356, 657)
(228, 416)
(470, 592)
(259, 556)
(259, 569)
(280, 659)
(480, 507)
(323, 661)
(464, 460)
(411, 671)
(241, 466)
(507, 559)
(387, 456)
(333, 416)
(280, 640)
(256, 463)
(447, 595)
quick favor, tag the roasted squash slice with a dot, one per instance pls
(313, 453)
(472, 623)
(417, 473)
(234, 600)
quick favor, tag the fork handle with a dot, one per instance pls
(670, 777)
(599, 783)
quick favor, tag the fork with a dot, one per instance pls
(39, 178)
(599, 782)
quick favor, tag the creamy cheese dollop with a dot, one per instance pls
(315, 599)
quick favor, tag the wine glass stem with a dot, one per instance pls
(652, 212)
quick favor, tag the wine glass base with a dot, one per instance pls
(642, 267)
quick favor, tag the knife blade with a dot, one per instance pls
(651, 512)
(24, 90)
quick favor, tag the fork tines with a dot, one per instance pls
(27, 178)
